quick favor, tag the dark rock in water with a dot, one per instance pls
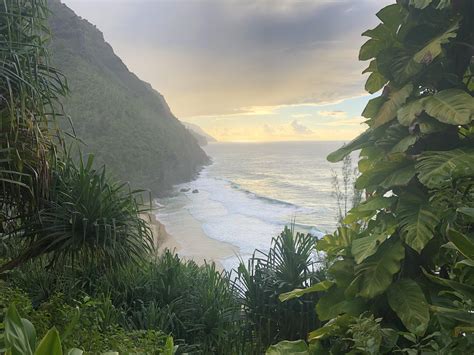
(195, 191)
(185, 189)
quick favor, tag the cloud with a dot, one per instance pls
(223, 56)
(301, 115)
(267, 129)
(299, 128)
(335, 113)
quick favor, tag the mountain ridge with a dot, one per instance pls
(122, 120)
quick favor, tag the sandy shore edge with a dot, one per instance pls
(194, 245)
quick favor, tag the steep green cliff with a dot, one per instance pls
(121, 119)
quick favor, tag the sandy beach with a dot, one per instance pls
(189, 241)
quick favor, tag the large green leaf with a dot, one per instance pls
(418, 220)
(406, 298)
(298, 292)
(373, 107)
(437, 169)
(50, 344)
(409, 112)
(364, 247)
(395, 171)
(457, 314)
(375, 274)
(18, 338)
(452, 106)
(392, 15)
(464, 288)
(334, 303)
(434, 47)
(357, 143)
(388, 110)
(335, 325)
(375, 82)
(372, 47)
(297, 347)
(368, 208)
(462, 242)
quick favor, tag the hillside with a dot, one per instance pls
(202, 136)
(120, 118)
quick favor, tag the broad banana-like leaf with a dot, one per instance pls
(392, 15)
(438, 168)
(297, 347)
(298, 292)
(406, 298)
(403, 67)
(372, 48)
(457, 314)
(357, 143)
(452, 106)
(418, 220)
(334, 302)
(434, 48)
(50, 344)
(375, 82)
(401, 178)
(463, 288)
(368, 208)
(342, 271)
(339, 322)
(388, 110)
(404, 144)
(373, 107)
(387, 173)
(463, 243)
(364, 247)
(377, 271)
(409, 112)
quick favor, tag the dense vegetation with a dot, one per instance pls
(122, 120)
(401, 269)
(77, 263)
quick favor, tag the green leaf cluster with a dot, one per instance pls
(402, 265)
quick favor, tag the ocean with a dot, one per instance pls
(251, 191)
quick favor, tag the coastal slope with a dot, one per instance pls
(121, 119)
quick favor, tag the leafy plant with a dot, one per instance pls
(288, 265)
(401, 268)
(88, 219)
(29, 92)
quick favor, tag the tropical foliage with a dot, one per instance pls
(289, 264)
(87, 219)
(29, 89)
(80, 328)
(401, 266)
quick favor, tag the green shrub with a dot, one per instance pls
(87, 324)
(288, 265)
(88, 219)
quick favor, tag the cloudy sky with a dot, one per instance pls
(247, 70)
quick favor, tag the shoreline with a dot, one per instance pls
(190, 244)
